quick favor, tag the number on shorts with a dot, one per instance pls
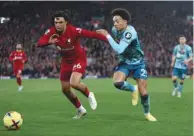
(143, 72)
(77, 66)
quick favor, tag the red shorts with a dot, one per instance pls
(67, 69)
(17, 71)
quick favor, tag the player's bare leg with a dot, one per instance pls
(75, 82)
(180, 88)
(19, 80)
(145, 100)
(81, 111)
(174, 80)
(120, 83)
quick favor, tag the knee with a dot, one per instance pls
(142, 87)
(181, 82)
(142, 90)
(174, 79)
(118, 85)
(65, 88)
(74, 85)
(18, 76)
(145, 85)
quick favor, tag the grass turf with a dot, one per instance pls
(48, 113)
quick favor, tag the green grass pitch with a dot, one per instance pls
(48, 113)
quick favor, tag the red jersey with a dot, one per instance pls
(18, 58)
(69, 42)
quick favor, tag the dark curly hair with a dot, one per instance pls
(123, 13)
(65, 14)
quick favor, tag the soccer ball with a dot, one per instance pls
(12, 120)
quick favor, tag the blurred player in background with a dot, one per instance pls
(131, 58)
(66, 37)
(182, 55)
(18, 57)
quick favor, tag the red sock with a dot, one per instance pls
(74, 100)
(87, 92)
(19, 81)
(77, 103)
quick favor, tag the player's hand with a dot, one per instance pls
(102, 31)
(53, 39)
(23, 61)
(172, 65)
(186, 62)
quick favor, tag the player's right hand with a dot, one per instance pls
(53, 39)
(102, 31)
(186, 62)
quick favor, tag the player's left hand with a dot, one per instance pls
(102, 31)
(23, 61)
(186, 62)
(53, 39)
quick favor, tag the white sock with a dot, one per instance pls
(81, 108)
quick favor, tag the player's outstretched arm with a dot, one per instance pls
(48, 38)
(90, 34)
(43, 41)
(119, 48)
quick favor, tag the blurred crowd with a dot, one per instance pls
(158, 32)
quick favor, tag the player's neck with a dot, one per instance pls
(123, 29)
(18, 50)
(62, 32)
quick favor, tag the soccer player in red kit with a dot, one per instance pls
(18, 57)
(73, 63)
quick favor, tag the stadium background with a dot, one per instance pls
(47, 112)
(158, 24)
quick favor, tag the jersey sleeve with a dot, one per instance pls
(89, 34)
(44, 39)
(175, 51)
(119, 48)
(190, 53)
(129, 36)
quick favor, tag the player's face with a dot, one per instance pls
(18, 47)
(182, 40)
(119, 23)
(60, 24)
